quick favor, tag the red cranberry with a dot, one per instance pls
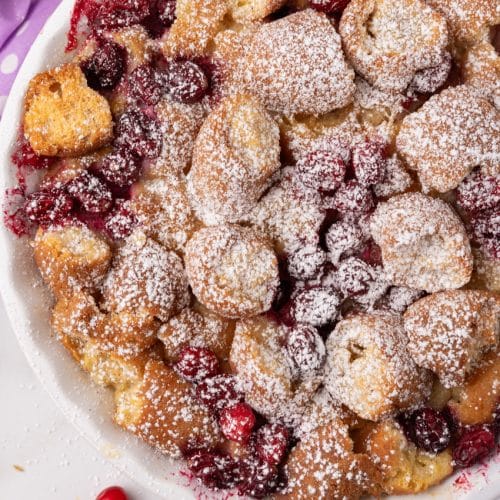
(121, 221)
(186, 81)
(25, 157)
(475, 443)
(92, 194)
(353, 277)
(353, 197)
(106, 15)
(112, 493)
(306, 262)
(166, 11)
(48, 207)
(305, 349)
(216, 470)
(368, 162)
(321, 170)
(121, 167)
(316, 306)
(372, 254)
(105, 67)
(197, 363)
(258, 478)
(219, 392)
(329, 6)
(486, 232)
(271, 442)
(342, 237)
(215, 72)
(140, 133)
(14, 213)
(428, 429)
(146, 84)
(479, 192)
(237, 421)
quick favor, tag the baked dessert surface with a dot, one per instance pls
(272, 229)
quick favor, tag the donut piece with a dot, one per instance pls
(261, 364)
(449, 332)
(63, 116)
(369, 368)
(424, 244)
(146, 276)
(405, 468)
(196, 24)
(162, 207)
(296, 65)
(71, 258)
(235, 154)
(469, 20)
(253, 10)
(324, 465)
(390, 41)
(452, 133)
(162, 410)
(232, 270)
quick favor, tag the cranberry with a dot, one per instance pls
(428, 429)
(315, 306)
(215, 72)
(372, 254)
(166, 11)
(353, 197)
(146, 84)
(121, 221)
(342, 237)
(258, 478)
(14, 213)
(140, 133)
(105, 67)
(475, 443)
(329, 6)
(305, 349)
(306, 262)
(321, 170)
(106, 15)
(486, 231)
(479, 192)
(48, 207)
(216, 470)
(197, 363)
(237, 422)
(25, 157)
(368, 162)
(92, 194)
(112, 493)
(353, 277)
(271, 442)
(186, 81)
(121, 167)
(219, 392)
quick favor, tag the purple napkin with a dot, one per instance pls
(20, 23)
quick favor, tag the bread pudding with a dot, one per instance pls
(272, 229)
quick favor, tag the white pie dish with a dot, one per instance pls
(27, 304)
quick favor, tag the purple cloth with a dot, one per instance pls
(20, 23)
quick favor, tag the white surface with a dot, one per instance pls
(58, 463)
(44, 439)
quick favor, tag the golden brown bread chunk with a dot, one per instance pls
(63, 116)
(296, 65)
(146, 276)
(423, 241)
(476, 400)
(450, 331)
(71, 258)
(452, 133)
(234, 156)
(253, 10)
(324, 466)
(390, 42)
(369, 368)
(405, 468)
(162, 410)
(232, 270)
